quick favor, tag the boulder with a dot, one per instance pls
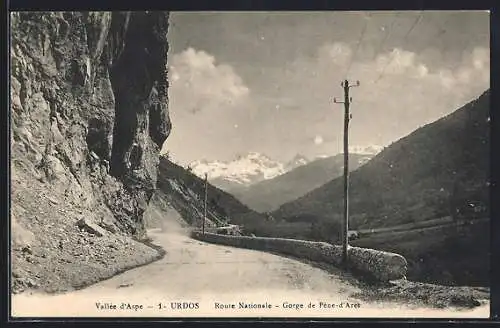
(90, 227)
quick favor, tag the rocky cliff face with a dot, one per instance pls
(88, 118)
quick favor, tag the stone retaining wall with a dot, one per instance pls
(383, 266)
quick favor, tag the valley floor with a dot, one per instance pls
(198, 272)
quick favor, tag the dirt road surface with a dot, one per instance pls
(194, 272)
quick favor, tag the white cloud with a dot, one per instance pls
(337, 53)
(300, 114)
(474, 70)
(318, 140)
(400, 91)
(398, 63)
(206, 101)
(198, 83)
(422, 70)
(480, 58)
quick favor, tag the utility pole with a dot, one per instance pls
(205, 204)
(347, 117)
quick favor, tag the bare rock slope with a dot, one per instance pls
(88, 118)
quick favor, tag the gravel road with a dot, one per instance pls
(198, 275)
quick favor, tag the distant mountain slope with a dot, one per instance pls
(268, 195)
(184, 191)
(440, 169)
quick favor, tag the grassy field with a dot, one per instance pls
(445, 254)
(408, 226)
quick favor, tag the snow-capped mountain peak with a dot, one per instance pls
(244, 170)
(253, 167)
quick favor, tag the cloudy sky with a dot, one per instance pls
(264, 81)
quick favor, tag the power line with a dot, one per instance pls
(386, 37)
(357, 46)
(405, 39)
(441, 31)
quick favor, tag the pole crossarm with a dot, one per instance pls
(357, 84)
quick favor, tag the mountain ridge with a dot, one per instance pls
(384, 173)
(254, 167)
(244, 170)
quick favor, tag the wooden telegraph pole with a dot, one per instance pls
(347, 117)
(205, 204)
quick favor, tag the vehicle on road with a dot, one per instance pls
(233, 230)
